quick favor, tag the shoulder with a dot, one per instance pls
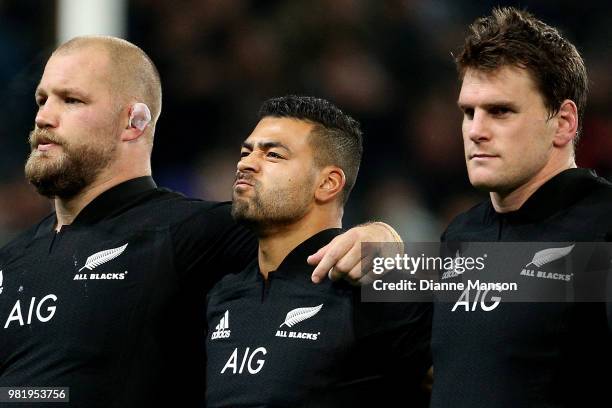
(597, 194)
(594, 208)
(163, 207)
(182, 206)
(469, 223)
(21, 241)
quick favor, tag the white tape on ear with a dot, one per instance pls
(140, 116)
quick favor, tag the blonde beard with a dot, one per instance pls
(67, 175)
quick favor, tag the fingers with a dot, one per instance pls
(335, 251)
(356, 265)
(315, 258)
(342, 259)
(366, 279)
(366, 274)
(349, 266)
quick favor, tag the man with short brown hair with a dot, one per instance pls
(522, 95)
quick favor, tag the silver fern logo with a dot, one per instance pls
(300, 314)
(1, 282)
(549, 255)
(102, 257)
(296, 316)
(546, 256)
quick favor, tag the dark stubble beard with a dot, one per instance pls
(66, 175)
(268, 210)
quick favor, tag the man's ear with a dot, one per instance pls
(331, 182)
(139, 119)
(567, 124)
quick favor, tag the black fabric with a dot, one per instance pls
(347, 353)
(535, 354)
(129, 331)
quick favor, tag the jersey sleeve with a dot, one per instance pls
(209, 244)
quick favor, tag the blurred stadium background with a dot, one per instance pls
(386, 62)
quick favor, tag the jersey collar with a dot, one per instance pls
(295, 261)
(114, 199)
(558, 193)
(111, 201)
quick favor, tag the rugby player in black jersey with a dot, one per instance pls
(105, 296)
(275, 338)
(523, 96)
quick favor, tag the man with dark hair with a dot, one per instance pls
(106, 295)
(336, 138)
(523, 94)
(276, 339)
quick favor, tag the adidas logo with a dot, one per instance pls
(222, 330)
(451, 273)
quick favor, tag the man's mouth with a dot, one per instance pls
(243, 180)
(242, 183)
(43, 147)
(43, 143)
(482, 156)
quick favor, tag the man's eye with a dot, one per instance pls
(71, 100)
(275, 155)
(469, 113)
(244, 154)
(499, 111)
(41, 101)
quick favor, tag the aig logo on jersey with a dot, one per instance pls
(544, 257)
(296, 316)
(222, 330)
(253, 367)
(42, 310)
(100, 258)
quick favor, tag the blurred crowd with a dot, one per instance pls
(388, 63)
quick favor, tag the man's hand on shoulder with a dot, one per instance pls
(342, 257)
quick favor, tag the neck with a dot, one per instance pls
(278, 241)
(67, 209)
(515, 199)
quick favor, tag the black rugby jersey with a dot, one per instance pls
(529, 354)
(286, 342)
(111, 306)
